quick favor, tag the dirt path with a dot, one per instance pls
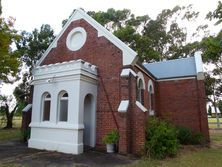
(17, 153)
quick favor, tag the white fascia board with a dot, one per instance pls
(123, 106)
(129, 55)
(126, 72)
(141, 106)
(198, 62)
(199, 65)
(175, 79)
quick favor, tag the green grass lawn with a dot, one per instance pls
(14, 133)
(191, 156)
(214, 120)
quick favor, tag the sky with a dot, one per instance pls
(30, 14)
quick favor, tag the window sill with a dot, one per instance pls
(151, 112)
(141, 106)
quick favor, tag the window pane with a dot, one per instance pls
(65, 95)
(63, 110)
(46, 111)
(47, 96)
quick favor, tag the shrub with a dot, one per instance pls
(25, 134)
(111, 138)
(161, 139)
(197, 138)
(184, 135)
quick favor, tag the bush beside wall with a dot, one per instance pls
(161, 139)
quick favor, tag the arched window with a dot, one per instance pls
(46, 102)
(151, 97)
(140, 91)
(63, 106)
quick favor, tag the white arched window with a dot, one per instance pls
(140, 91)
(151, 97)
(63, 106)
(46, 103)
(140, 88)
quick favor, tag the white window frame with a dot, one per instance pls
(60, 97)
(44, 99)
(139, 87)
(151, 93)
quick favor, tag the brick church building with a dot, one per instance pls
(89, 82)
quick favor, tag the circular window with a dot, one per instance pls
(76, 39)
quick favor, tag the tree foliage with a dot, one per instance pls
(211, 47)
(153, 39)
(33, 45)
(216, 14)
(9, 59)
(6, 103)
(209, 111)
(0, 7)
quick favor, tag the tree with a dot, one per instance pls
(33, 45)
(6, 104)
(153, 39)
(220, 106)
(211, 47)
(213, 93)
(9, 60)
(209, 111)
(216, 14)
(14, 104)
(0, 7)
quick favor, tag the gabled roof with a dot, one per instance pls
(185, 67)
(129, 55)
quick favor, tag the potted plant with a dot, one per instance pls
(110, 140)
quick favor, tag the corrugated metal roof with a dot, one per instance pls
(172, 68)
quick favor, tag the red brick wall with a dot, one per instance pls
(111, 88)
(183, 103)
(108, 58)
(137, 116)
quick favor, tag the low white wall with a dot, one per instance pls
(57, 139)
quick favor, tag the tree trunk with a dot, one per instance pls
(9, 116)
(216, 112)
(9, 122)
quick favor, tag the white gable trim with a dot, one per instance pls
(199, 65)
(126, 72)
(129, 55)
